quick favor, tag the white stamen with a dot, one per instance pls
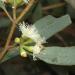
(26, 1)
(30, 31)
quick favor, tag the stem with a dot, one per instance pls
(8, 15)
(10, 34)
(8, 41)
(14, 12)
(15, 21)
(26, 9)
(53, 6)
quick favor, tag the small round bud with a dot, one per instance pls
(23, 54)
(17, 40)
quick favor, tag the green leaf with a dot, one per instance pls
(48, 26)
(11, 54)
(58, 55)
(2, 5)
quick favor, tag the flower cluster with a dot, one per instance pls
(31, 32)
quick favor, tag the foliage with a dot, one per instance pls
(51, 25)
(58, 55)
(52, 55)
(47, 27)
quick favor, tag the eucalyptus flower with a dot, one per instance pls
(31, 32)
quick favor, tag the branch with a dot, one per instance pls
(14, 26)
(8, 15)
(26, 9)
(10, 34)
(9, 47)
(53, 6)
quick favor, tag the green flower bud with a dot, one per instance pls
(29, 48)
(17, 40)
(23, 52)
(17, 2)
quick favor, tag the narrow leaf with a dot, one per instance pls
(48, 26)
(58, 55)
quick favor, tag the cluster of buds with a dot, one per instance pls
(31, 32)
(17, 2)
